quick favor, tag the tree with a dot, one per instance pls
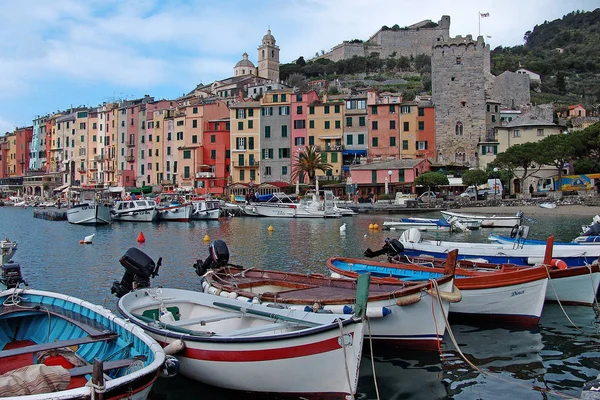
(561, 149)
(297, 81)
(309, 162)
(431, 179)
(300, 61)
(474, 177)
(521, 156)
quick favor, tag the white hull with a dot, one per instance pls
(180, 213)
(397, 225)
(515, 302)
(486, 220)
(202, 209)
(272, 210)
(136, 216)
(580, 289)
(89, 214)
(320, 360)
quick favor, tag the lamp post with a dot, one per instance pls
(388, 180)
(495, 182)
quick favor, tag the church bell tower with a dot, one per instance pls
(268, 58)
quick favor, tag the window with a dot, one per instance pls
(323, 157)
(168, 136)
(311, 110)
(240, 126)
(241, 160)
(213, 154)
(267, 154)
(392, 124)
(251, 143)
(488, 108)
(336, 109)
(250, 124)
(284, 170)
(458, 60)
(421, 125)
(374, 125)
(516, 133)
(311, 140)
(299, 124)
(540, 132)
(422, 145)
(194, 123)
(392, 108)
(213, 138)
(375, 142)
(267, 111)
(275, 98)
(493, 118)
(299, 97)
(405, 109)
(406, 126)
(179, 123)
(240, 113)
(338, 124)
(362, 121)
(458, 129)
(251, 112)
(240, 143)
(334, 157)
(496, 108)
(179, 135)
(187, 154)
(299, 141)
(361, 138)
(311, 124)
(392, 141)
(421, 112)
(186, 171)
(242, 175)
(299, 109)
(400, 175)
(405, 145)
(169, 150)
(326, 109)
(348, 121)
(284, 131)
(284, 153)
(267, 131)
(284, 110)
(489, 150)
(194, 138)
(327, 124)
(195, 110)
(268, 171)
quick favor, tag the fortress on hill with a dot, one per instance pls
(413, 40)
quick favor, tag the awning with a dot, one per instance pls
(330, 137)
(116, 189)
(60, 188)
(354, 152)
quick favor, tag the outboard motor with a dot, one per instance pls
(218, 257)
(11, 275)
(139, 268)
(395, 247)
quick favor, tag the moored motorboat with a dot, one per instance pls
(250, 347)
(174, 211)
(568, 286)
(138, 210)
(91, 209)
(398, 302)
(428, 224)
(205, 208)
(488, 221)
(55, 346)
(515, 297)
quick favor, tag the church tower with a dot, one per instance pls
(268, 58)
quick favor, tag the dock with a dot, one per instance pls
(53, 214)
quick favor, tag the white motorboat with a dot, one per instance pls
(428, 224)
(489, 221)
(204, 208)
(317, 204)
(280, 205)
(7, 250)
(91, 209)
(139, 210)
(174, 211)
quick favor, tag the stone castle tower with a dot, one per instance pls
(268, 58)
(459, 68)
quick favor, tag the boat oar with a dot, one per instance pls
(548, 254)
(264, 314)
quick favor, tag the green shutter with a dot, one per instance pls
(483, 150)
(495, 149)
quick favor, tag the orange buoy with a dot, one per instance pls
(560, 264)
(141, 238)
(81, 242)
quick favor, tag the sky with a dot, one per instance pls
(55, 54)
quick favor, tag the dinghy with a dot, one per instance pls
(398, 302)
(246, 346)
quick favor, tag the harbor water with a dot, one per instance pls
(550, 362)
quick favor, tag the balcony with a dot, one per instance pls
(93, 168)
(81, 170)
(129, 158)
(166, 182)
(205, 174)
(253, 164)
(130, 144)
(99, 158)
(332, 148)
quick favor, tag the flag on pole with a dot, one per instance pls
(483, 15)
(489, 37)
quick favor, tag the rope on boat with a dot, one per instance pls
(372, 358)
(558, 300)
(14, 299)
(339, 321)
(484, 371)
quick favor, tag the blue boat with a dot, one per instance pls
(54, 345)
(509, 240)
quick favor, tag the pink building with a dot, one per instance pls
(299, 113)
(399, 174)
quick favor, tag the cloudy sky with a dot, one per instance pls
(58, 53)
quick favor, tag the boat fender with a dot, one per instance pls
(408, 300)
(170, 367)
(223, 293)
(339, 309)
(451, 297)
(244, 298)
(560, 264)
(211, 290)
(514, 231)
(255, 300)
(377, 312)
(174, 347)
(336, 275)
(233, 295)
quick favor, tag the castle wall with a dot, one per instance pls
(458, 92)
(510, 89)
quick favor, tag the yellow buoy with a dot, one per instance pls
(370, 226)
(206, 238)
(375, 226)
(270, 229)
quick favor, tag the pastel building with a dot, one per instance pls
(425, 146)
(299, 113)
(355, 132)
(214, 176)
(399, 174)
(275, 136)
(244, 142)
(37, 161)
(325, 133)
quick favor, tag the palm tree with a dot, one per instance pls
(308, 162)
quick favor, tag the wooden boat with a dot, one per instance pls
(497, 253)
(50, 342)
(488, 221)
(91, 209)
(515, 297)
(245, 346)
(569, 286)
(403, 301)
(138, 210)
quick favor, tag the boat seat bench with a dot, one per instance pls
(202, 320)
(106, 366)
(256, 329)
(58, 344)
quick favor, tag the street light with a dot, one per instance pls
(387, 182)
(495, 182)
